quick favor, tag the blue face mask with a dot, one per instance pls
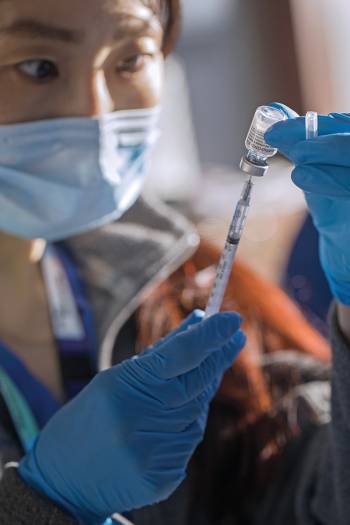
(61, 177)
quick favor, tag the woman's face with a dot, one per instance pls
(64, 58)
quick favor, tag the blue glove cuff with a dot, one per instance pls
(340, 289)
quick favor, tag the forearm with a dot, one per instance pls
(344, 320)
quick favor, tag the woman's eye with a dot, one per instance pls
(133, 64)
(38, 69)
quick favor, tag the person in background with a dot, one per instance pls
(304, 278)
(276, 393)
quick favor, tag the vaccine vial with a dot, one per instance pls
(258, 151)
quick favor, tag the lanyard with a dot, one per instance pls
(26, 426)
(65, 319)
(28, 401)
(20, 412)
(71, 316)
(72, 320)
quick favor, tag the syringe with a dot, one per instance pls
(230, 250)
(254, 164)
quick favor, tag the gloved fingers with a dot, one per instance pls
(175, 458)
(289, 112)
(165, 482)
(176, 412)
(165, 455)
(205, 399)
(164, 441)
(285, 135)
(179, 418)
(173, 448)
(184, 407)
(202, 383)
(202, 379)
(208, 395)
(330, 150)
(331, 182)
(194, 318)
(164, 458)
(330, 216)
(187, 350)
(322, 208)
(340, 116)
(180, 390)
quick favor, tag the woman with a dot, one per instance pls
(126, 439)
(80, 85)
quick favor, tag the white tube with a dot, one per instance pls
(311, 125)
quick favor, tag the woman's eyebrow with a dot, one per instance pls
(35, 29)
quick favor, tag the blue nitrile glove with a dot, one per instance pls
(126, 439)
(322, 170)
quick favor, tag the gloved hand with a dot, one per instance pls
(126, 439)
(322, 170)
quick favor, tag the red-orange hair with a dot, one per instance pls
(272, 322)
(246, 432)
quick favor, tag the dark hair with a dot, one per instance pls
(169, 12)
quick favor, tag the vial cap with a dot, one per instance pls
(255, 170)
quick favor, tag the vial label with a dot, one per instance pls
(256, 141)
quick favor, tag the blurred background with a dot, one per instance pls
(233, 56)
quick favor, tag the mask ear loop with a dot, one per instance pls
(130, 135)
(108, 151)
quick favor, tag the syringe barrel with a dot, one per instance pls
(238, 223)
(222, 278)
(240, 215)
(226, 262)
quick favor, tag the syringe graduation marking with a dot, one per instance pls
(240, 216)
(226, 262)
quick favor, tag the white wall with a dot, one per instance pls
(210, 16)
(175, 171)
(323, 41)
(221, 51)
